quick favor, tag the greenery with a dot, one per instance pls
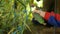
(15, 16)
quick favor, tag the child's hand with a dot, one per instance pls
(36, 11)
(41, 13)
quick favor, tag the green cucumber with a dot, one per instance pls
(38, 18)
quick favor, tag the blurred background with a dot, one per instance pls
(16, 16)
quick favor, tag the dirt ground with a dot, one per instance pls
(38, 29)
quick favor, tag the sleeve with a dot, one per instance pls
(52, 18)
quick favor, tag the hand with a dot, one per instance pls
(36, 11)
(42, 13)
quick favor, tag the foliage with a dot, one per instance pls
(15, 16)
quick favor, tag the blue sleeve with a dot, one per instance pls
(53, 21)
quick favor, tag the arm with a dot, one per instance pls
(52, 18)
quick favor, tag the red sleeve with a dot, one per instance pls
(47, 16)
(57, 16)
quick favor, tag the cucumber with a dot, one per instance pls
(38, 18)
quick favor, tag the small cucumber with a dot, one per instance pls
(38, 18)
